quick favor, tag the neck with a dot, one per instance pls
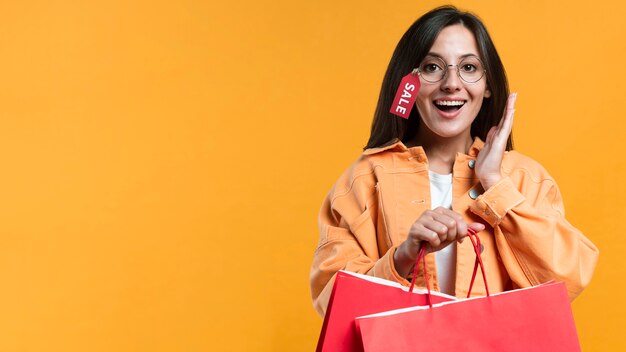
(441, 151)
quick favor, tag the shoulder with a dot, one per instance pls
(363, 171)
(357, 178)
(358, 183)
(359, 174)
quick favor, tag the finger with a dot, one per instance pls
(508, 118)
(461, 225)
(490, 134)
(476, 226)
(501, 122)
(506, 129)
(419, 233)
(461, 228)
(450, 223)
(440, 229)
(509, 109)
(444, 210)
(461, 231)
(510, 103)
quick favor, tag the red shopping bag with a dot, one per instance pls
(354, 295)
(537, 318)
(533, 319)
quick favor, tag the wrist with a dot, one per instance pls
(488, 182)
(403, 263)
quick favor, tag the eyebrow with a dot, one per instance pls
(441, 57)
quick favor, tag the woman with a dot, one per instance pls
(428, 178)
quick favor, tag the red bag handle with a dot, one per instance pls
(421, 255)
(479, 262)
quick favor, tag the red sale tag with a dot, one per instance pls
(405, 95)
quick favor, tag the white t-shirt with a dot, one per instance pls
(441, 196)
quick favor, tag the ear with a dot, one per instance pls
(487, 93)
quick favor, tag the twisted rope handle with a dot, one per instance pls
(478, 262)
(421, 255)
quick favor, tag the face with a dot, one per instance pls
(449, 107)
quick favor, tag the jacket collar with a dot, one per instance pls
(397, 145)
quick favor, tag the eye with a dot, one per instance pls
(469, 68)
(470, 65)
(431, 66)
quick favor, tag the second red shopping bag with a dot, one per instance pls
(532, 319)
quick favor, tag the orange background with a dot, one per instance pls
(164, 161)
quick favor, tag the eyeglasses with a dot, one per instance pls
(433, 69)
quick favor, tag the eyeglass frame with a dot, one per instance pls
(416, 71)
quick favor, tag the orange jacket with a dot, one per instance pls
(527, 240)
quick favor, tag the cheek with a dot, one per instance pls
(423, 96)
(480, 91)
(421, 103)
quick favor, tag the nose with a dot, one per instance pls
(451, 82)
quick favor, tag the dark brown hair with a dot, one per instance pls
(411, 50)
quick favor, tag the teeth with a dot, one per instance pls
(450, 102)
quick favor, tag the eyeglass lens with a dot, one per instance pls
(434, 69)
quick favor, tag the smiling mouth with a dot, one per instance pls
(449, 105)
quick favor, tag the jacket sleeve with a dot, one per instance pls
(535, 241)
(348, 238)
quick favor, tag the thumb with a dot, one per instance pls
(476, 226)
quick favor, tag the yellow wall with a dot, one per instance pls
(163, 161)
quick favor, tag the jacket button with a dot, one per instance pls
(471, 163)
(473, 193)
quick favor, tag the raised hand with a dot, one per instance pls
(489, 159)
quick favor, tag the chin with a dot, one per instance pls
(450, 131)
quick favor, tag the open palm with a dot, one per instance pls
(489, 159)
